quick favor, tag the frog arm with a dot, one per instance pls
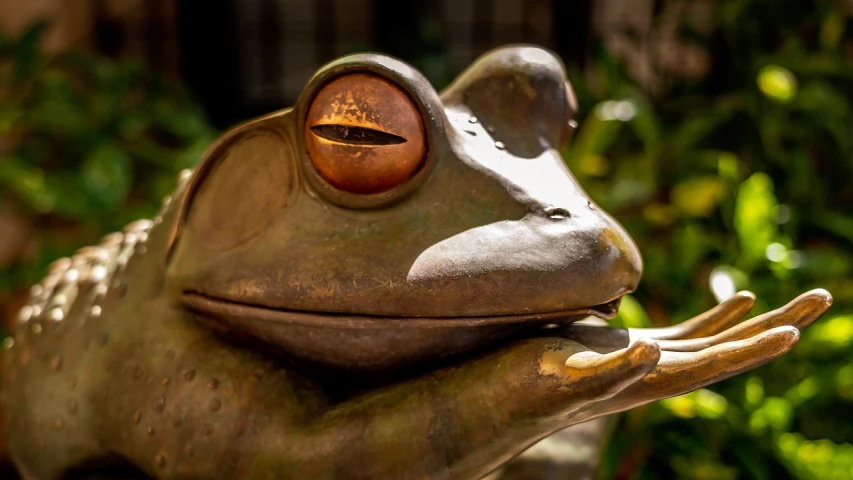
(463, 421)
(574, 452)
(460, 422)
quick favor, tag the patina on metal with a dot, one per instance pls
(381, 282)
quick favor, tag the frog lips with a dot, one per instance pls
(220, 307)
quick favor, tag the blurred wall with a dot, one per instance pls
(249, 57)
(141, 28)
(71, 20)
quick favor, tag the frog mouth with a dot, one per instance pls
(370, 343)
(230, 310)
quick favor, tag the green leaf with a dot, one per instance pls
(777, 83)
(107, 175)
(727, 166)
(755, 216)
(631, 314)
(836, 223)
(775, 412)
(815, 459)
(697, 196)
(832, 30)
(696, 128)
(834, 333)
(27, 51)
(710, 404)
(595, 136)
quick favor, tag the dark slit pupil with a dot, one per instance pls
(356, 135)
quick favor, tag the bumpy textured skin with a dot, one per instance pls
(86, 388)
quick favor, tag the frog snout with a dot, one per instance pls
(598, 259)
(547, 261)
(619, 268)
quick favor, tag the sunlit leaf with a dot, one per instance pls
(777, 83)
(594, 137)
(727, 166)
(755, 215)
(835, 332)
(683, 406)
(775, 413)
(660, 214)
(702, 402)
(709, 404)
(754, 393)
(631, 314)
(816, 459)
(697, 196)
(702, 469)
(593, 165)
(844, 382)
(803, 391)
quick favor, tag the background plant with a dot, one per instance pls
(87, 144)
(740, 179)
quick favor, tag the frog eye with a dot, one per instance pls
(364, 134)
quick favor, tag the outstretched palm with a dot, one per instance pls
(705, 349)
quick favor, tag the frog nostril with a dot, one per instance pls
(557, 213)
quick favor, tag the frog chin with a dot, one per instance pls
(370, 342)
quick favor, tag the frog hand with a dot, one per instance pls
(571, 377)
(705, 349)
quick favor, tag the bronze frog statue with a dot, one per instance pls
(380, 282)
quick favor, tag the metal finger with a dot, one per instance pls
(606, 375)
(681, 372)
(799, 312)
(706, 323)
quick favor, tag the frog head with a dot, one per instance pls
(378, 223)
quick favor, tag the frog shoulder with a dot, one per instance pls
(88, 274)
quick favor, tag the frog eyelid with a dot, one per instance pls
(346, 133)
(413, 87)
(355, 135)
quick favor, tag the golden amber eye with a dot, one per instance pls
(364, 134)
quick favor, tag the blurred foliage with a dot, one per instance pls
(742, 179)
(87, 144)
